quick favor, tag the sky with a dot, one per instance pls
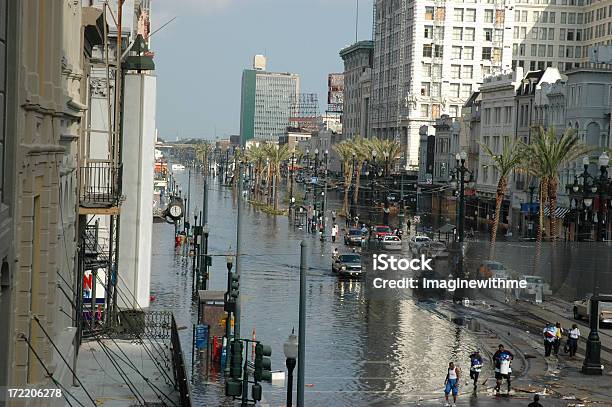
(199, 57)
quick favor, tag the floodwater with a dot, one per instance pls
(362, 348)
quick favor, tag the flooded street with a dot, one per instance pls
(363, 348)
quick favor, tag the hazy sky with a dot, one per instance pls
(200, 56)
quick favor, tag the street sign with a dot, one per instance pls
(314, 180)
(201, 338)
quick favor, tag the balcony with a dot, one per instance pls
(100, 188)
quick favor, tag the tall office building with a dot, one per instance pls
(429, 57)
(559, 33)
(357, 82)
(266, 100)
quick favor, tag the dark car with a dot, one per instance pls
(353, 237)
(347, 265)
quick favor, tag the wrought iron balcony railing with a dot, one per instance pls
(100, 185)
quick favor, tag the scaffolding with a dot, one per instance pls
(304, 113)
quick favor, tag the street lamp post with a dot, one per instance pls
(530, 212)
(290, 349)
(458, 179)
(603, 187)
(324, 193)
(291, 169)
(373, 185)
(229, 261)
(204, 260)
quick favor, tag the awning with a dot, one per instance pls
(560, 212)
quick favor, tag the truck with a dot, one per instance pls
(582, 309)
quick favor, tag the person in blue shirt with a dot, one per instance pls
(475, 367)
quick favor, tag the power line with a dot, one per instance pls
(50, 374)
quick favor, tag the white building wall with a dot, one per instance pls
(134, 268)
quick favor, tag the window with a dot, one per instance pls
(515, 33)
(536, 16)
(429, 12)
(456, 54)
(425, 89)
(488, 34)
(571, 18)
(466, 90)
(534, 50)
(435, 111)
(543, 32)
(470, 15)
(487, 115)
(486, 70)
(544, 17)
(427, 69)
(453, 111)
(486, 53)
(467, 71)
(508, 114)
(468, 53)
(541, 50)
(561, 51)
(549, 51)
(517, 15)
(524, 16)
(551, 34)
(570, 35)
(424, 110)
(523, 33)
(532, 65)
(458, 14)
(455, 71)
(563, 17)
(428, 32)
(469, 34)
(522, 50)
(497, 118)
(534, 33)
(514, 53)
(457, 33)
(435, 89)
(488, 16)
(427, 50)
(438, 51)
(454, 90)
(436, 70)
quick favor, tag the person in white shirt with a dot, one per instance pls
(334, 232)
(550, 335)
(572, 341)
(451, 384)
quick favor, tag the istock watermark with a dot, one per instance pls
(385, 262)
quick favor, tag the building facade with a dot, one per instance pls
(357, 75)
(428, 59)
(266, 102)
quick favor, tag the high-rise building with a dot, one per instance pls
(266, 100)
(559, 33)
(428, 59)
(357, 79)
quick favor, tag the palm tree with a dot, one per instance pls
(276, 156)
(345, 151)
(389, 150)
(509, 159)
(202, 153)
(545, 156)
(361, 152)
(257, 155)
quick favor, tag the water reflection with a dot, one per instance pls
(363, 347)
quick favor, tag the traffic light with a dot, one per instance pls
(256, 392)
(262, 362)
(236, 359)
(233, 387)
(230, 298)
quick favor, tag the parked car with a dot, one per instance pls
(391, 242)
(353, 237)
(492, 269)
(347, 265)
(380, 231)
(582, 309)
(416, 242)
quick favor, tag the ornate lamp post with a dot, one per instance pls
(583, 199)
(458, 179)
(290, 348)
(204, 261)
(603, 186)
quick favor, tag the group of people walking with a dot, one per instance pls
(502, 360)
(553, 334)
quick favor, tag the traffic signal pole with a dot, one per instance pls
(238, 253)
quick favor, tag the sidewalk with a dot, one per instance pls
(518, 327)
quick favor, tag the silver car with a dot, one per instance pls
(391, 242)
